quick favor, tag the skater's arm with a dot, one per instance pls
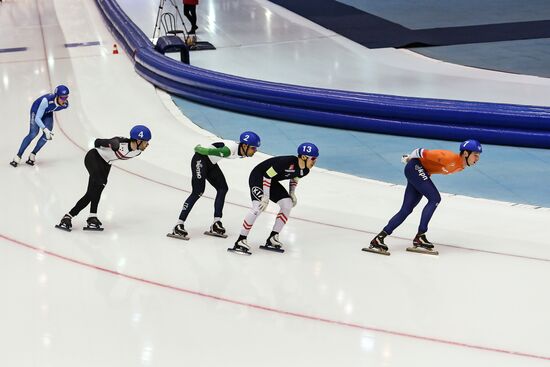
(113, 143)
(40, 113)
(219, 152)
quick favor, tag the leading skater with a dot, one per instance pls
(42, 111)
(98, 163)
(204, 167)
(265, 186)
(420, 165)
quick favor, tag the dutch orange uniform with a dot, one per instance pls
(442, 162)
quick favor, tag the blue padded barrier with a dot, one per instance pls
(131, 36)
(538, 139)
(421, 109)
(430, 118)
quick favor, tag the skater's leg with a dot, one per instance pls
(48, 123)
(199, 166)
(250, 218)
(98, 170)
(217, 179)
(33, 131)
(434, 198)
(95, 196)
(279, 195)
(273, 241)
(410, 201)
(84, 200)
(423, 184)
(283, 215)
(256, 194)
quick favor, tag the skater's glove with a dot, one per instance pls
(264, 203)
(48, 133)
(405, 158)
(294, 199)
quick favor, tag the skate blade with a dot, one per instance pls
(176, 236)
(63, 228)
(92, 229)
(273, 249)
(214, 234)
(422, 251)
(30, 163)
(379, 252)
(239, 252)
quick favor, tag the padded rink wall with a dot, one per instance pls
(490, 123)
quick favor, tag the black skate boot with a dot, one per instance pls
(32, 158)
(15, 162)
(241, 246)
(422, 245)
(273, 243)
(377, 245)
(93, 224)
(216, 230)
(179, 232)
(65, 223)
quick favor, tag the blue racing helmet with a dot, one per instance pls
(140, 132)
(308, 149)
(471, 146)
(250, 138)
(61, 90)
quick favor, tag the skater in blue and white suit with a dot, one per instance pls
(42, 119)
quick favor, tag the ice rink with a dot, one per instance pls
(129, 296)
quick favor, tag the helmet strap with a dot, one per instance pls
(138, 144)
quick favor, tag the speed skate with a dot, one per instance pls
(274, 248)
(93, 229)
(376, 250)
(179, 237)
(422, 250)
(214, 234)
(63, 228)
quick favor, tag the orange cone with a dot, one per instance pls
(115, 49)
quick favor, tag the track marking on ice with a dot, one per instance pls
(271, 309)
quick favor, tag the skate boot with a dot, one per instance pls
(179, 232)
(422, 245)
(65, 223)
(377, 245)
(216, 230)
(273, 243)
(16, 160)
(32, 158)
(241, 246)
(93, 224)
